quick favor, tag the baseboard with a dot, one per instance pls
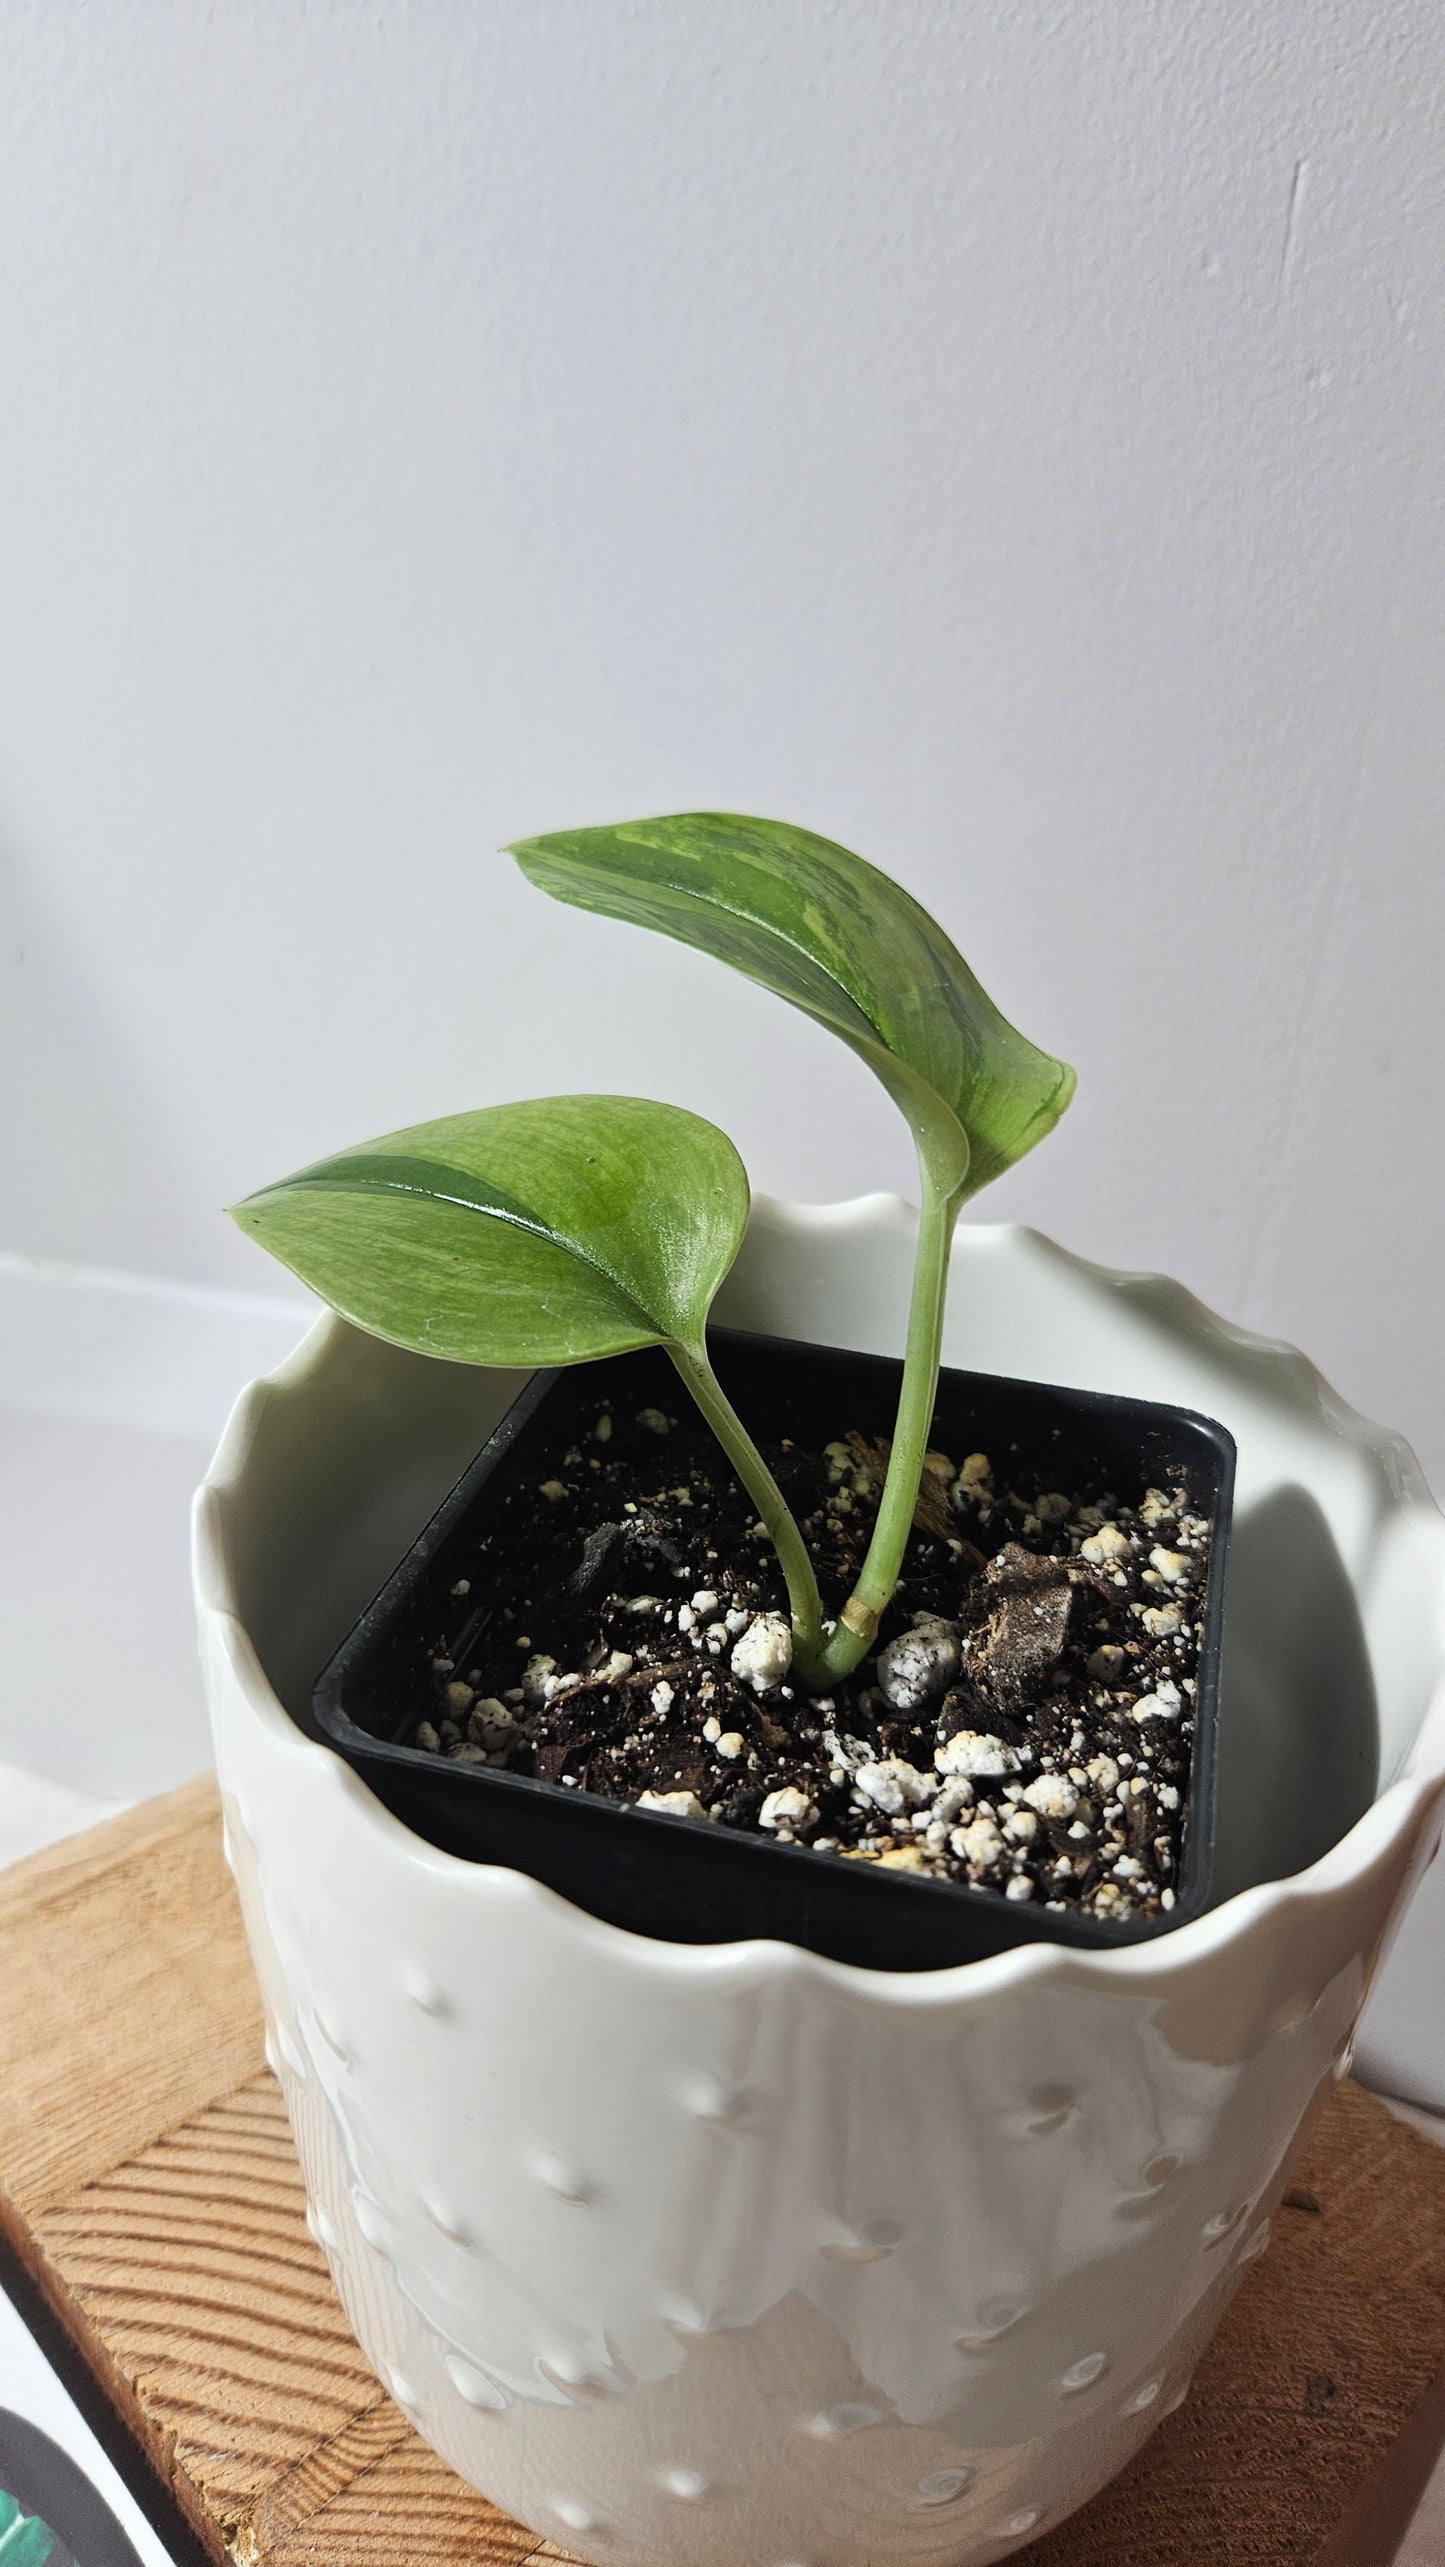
(132, 1350)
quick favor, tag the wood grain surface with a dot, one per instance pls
(149, 2185)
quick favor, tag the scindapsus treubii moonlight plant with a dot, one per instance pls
(571, 1227)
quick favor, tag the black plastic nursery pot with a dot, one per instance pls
(683, 1881)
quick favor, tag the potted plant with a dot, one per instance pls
(730, 2251)
(618, 1614)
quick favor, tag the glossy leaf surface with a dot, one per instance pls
(540, 1233)
(840, 940)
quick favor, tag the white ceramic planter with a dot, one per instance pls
(736, 2257)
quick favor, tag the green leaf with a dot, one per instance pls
(541, 1233)
(837, 938)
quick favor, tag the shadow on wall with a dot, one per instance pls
(1299, 1728)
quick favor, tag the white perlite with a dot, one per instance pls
(955, 1797)
(491, 1724)
(675, 1804)
(1172, 1566)
(1164, 1703)
(1052, 1797)
(979, 1845)
(977, 1754)
(893, 1785)
(617, 1664)
(1105, 1545)
(764, 1654)
(919, 1664)
(1106, 1664)
(788, 1808)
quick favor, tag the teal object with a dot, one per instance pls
(25, 2541)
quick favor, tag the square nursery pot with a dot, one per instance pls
(699, 2254)
(689, 1882)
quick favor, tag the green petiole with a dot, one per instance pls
(804, 1602)
(823, 1654)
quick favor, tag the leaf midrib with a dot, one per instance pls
(865, 1035)
(707, 899)
(441, 1183)
(868, 1027)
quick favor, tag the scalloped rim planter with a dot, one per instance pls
(729, 2254)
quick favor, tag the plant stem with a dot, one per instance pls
(804, 1601)
(820, 1661)
(858, 1623)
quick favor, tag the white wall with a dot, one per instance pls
(1006, 437)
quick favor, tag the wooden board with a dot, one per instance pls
(148, 2184)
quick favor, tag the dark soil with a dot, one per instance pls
(1024, 1725)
